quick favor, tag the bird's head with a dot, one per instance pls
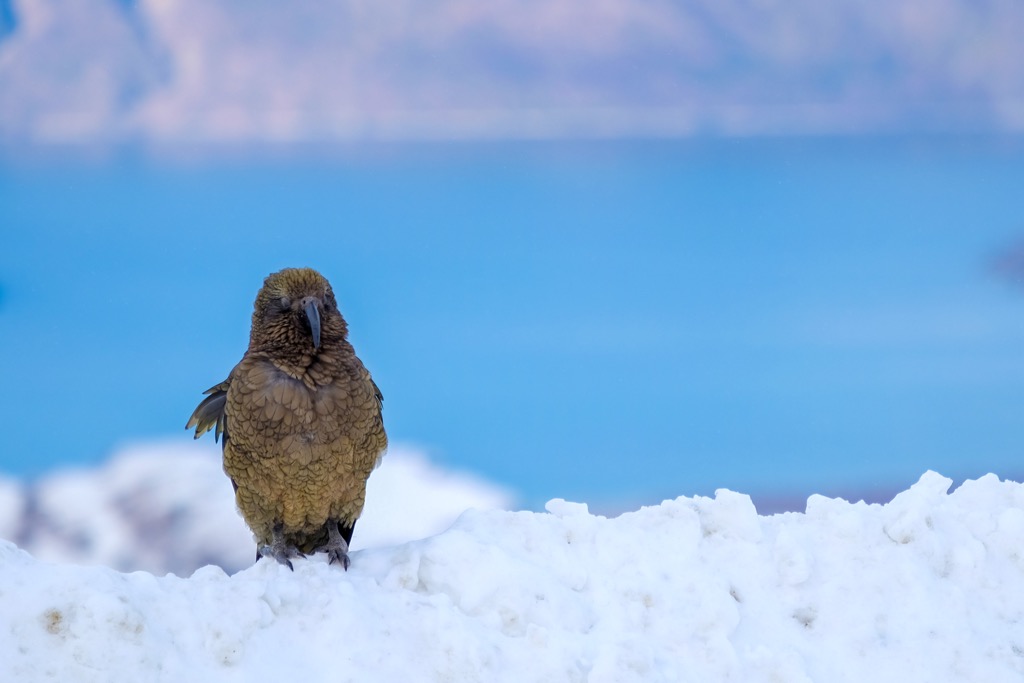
(295, 312)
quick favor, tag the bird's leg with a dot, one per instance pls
(336, 546)
(279, 549)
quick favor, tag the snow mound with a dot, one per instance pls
(925, 588)
(168, 507)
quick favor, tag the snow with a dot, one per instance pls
(924, 588)
(11, 504)
(168, 507)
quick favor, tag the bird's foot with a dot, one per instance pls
(340, 556)
(280, 551)
(336, 548)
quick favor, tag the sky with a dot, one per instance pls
(612, 321)
(608, 251)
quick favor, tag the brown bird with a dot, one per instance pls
(300, 419)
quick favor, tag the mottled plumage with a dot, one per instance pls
(300, 419)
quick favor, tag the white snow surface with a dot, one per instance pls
(925, 588)
(168, 507)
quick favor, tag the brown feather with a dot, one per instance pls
(306, 424)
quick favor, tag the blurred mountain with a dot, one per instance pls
(198, 71)
(169, 508)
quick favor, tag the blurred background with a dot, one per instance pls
(610, 251)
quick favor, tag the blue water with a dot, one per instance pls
(603, 322)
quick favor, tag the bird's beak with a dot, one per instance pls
(313, 315)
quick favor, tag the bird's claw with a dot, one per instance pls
(340, 556)
(336, 548)
(281, 552)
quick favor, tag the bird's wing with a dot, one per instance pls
(378, 395)
(210, 413)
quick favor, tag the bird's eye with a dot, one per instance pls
(286, 303)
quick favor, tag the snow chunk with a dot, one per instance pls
(730, 514)
(561, 508)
